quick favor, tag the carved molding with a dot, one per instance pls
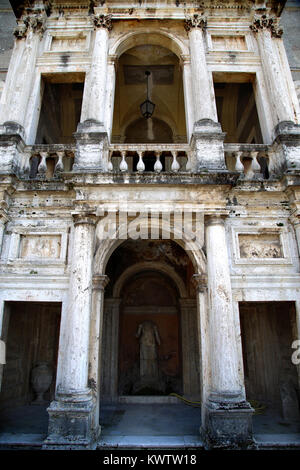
(199, 281)
(103, 21)
(195, 21)
(34, 23)
(261, 22)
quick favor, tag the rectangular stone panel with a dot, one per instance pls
(40, 246)
(231, 43)
(260, 246)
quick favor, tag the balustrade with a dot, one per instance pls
(47, 161)
(142, 158)
(252, 161)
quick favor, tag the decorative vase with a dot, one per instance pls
(41, 379)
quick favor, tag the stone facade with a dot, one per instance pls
(183, 233)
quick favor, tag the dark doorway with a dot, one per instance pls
(31, 332)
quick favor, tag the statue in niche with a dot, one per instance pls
(148, 335)
(149, 339)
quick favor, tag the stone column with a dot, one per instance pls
(203, 91)
(207, 138)
(228, 415)
(91, 136)
(21, 72)
(99, 284)
(266, 29)
(71, 414)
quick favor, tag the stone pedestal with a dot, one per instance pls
(11, 147)
(287, 138)
(72, 413)
(91, 148)
(227, 416)
(207, 147)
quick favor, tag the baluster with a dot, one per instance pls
(123, 164)
(110, 165)
(188, 165)
(59, 167)
(175, 165)
(27, 163)
(238, 162)
(42, 168)
(140, 165)
(255, 166)
(157, 164)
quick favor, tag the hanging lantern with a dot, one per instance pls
(147, 107)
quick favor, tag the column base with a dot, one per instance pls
(228, 425)
(71, 423)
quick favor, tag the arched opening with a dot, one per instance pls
(167, 123)
(150, 352)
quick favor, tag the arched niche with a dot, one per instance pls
(165, 90)
(150, 280)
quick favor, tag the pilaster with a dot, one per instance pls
(99, 283)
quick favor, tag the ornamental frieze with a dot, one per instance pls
(261, 22)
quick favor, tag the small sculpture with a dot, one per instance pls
(149, 371)
(41, 379)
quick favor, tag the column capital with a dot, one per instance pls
(34, 22)
(199, 282)
(84, 218)
(100, 281)
(195, 21)
(267, 22)
(103, 21)
(215, 219)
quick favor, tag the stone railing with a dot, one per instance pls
(47, 161)
(155, 158)
(252, 161)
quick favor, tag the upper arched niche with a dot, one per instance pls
(165, 90)
(138, 38)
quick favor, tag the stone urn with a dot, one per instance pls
(41, 379)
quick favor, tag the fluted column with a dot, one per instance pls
(91, 136)
(207, 137)
(203, 91)
(225, 383)
(79, 307)
(94, 97)
(225, 386)
(71, 414)
(99, 284)
(266, 30)
(21, 72)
